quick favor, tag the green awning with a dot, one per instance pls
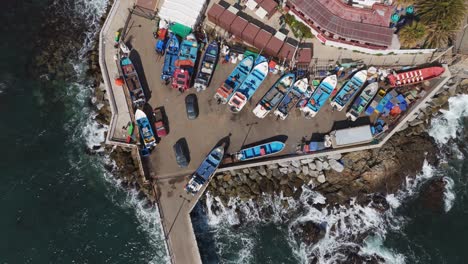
(251, 53)
(180, 30)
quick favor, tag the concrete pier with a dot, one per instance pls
(214, 123)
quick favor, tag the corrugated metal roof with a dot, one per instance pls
(249, 33)
(226, 18)
(273, 46)
(214, 13)
(238, 25)
(262, 39)
(324, 18)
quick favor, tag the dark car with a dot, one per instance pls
(191, 103)
(181, 153)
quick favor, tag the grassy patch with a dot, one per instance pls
(299, 29)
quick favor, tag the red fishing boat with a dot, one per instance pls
(415, 76)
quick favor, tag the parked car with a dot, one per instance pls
(159, 124)
(181, 153)
(191, 104)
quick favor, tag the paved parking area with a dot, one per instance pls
(215, 121)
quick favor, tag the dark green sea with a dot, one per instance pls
(59, 205)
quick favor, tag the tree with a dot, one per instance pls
(412, 34)
(405, 2)
(442, 18)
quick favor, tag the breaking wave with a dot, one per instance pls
(446, 126)
(449, 194)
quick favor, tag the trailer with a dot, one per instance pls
(351, 136)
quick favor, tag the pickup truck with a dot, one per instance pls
(159, 124)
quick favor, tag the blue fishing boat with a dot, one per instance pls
(320, 96)
(274, 95)
(172, 53)
(185, 65)
(207, 168)
(234, 80)
(132, 82)
(292, 98)
(348, 90)
(249, 86)
(260, 151)
(362, 101)
(144, 127)
(207, 66)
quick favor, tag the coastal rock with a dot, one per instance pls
(284, 164)
(272, 166)
(312, 166)
(305, 170)
(335, 156)
(246, 171)
(227, 177)
(277, 173)
(261, 170)
(325, 165)
(321, 178)
(284, 170)
(305, 161)
(432, 194)
(309, 232)
(296, 163)
(284, 180)
(336, 166)
(318, 165)
(313, 173)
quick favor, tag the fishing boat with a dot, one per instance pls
(320, 96)
(260, 151)
(414, 76)
(144, 127)
(245, 92)
(172, 53)
(207, 168)
(361, 102)
(292, 98)
(133, 82)
(234, 80)
(375, 102)
(207, 66)
(274, 95)
(185, 64)
(348, 90)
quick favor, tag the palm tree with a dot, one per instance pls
(412, 34)
(442, 18)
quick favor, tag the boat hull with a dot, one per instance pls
(205, 171)
(291, 98)
(187, 57)
(207, 66)
(144, 126)
(274, 95)
(362, 101)
(172, 53)
(132, 82)
(234, 80)
(260, 151)
(320, 96)
(415, 76)
(349, 90)
(245, 92)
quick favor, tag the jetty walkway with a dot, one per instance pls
(174, 203)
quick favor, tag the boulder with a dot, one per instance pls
(325, 165)
(277, 173)
(336, 165)
(305, 161)
(287, 191)
(261, 170)
(227, 177)
(283, 170)
(296, 163)
(297, 170)
(284, 180)
(312, 166)
(283, 164)
(335, 156)
(313, 173)
(305, 170)
(246, 171)
(321, 178)
(272, 166)
(253, 176)
(318, 165)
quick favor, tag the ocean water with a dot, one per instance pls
(407, 232)
(58, 204)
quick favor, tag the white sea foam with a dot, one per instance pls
(449, 194)
(446, 126)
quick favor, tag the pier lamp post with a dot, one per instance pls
(250, 125)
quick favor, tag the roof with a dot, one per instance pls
(181, 12)
(249, 33)
(274, 46)
(226, 18)
(238, 26)
(304, 54)
(319, 12)
(269, 6)
(287, 51)
(262, 39)
(148, 4)
(215, 11)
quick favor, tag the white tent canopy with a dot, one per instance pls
(182, 11)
